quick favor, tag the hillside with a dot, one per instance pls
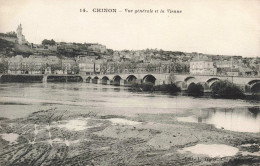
(6, 45)
(10, 48)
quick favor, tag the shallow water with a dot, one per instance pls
(20, 99)
(10, 137)
(212, 150)
(250, 153)
(75, 124)
(234, 119)
(121, 121)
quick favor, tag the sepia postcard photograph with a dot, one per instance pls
(129, 83)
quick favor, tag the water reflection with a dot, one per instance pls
(235, 119)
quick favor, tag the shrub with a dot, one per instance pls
(226, 89)
(195, 89)
(143, 87)
(172, 88)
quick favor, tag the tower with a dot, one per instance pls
(20, 36)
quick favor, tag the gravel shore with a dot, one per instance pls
(52, 137)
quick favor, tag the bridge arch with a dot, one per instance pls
(95, 80)
(254, 86)
(131, 78)
(116, 80)
(253, 82)
(88, 79)
(190, 80)
(211, 81)
(149, 79)
(79, 78)
(105, 79)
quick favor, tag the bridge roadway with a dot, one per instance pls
(181, 80)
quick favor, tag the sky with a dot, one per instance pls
(224, 27)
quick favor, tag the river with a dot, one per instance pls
(18, 100)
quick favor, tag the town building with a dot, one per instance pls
(86, 67)
(89, 64)
(52, 60)
(68, 65)
(97, 48)
(15, 64)
(202, 67)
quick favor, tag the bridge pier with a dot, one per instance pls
(44, 79)
(88, 80)
(107, 82)
(247, 89)
(158, 82)
(129, 83)
(139, 81)
(104, 82)
(110, 82)
(99, 81)
(116, 83)
(123, 82)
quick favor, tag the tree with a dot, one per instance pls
(226, 89)
(195, 89)
(32, 67)
(52, 42)
(104, 67)
(48, 42)
(150, 67)
(11, 34)
(75, 68)
(3, 67)
(57, 66)
(43, 67)
(24, 68)
(178, 68)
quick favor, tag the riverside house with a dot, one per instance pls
(68, 65)
(34, 64)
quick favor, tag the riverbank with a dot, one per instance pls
(63, 137)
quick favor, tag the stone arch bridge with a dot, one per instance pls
(247, 84)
